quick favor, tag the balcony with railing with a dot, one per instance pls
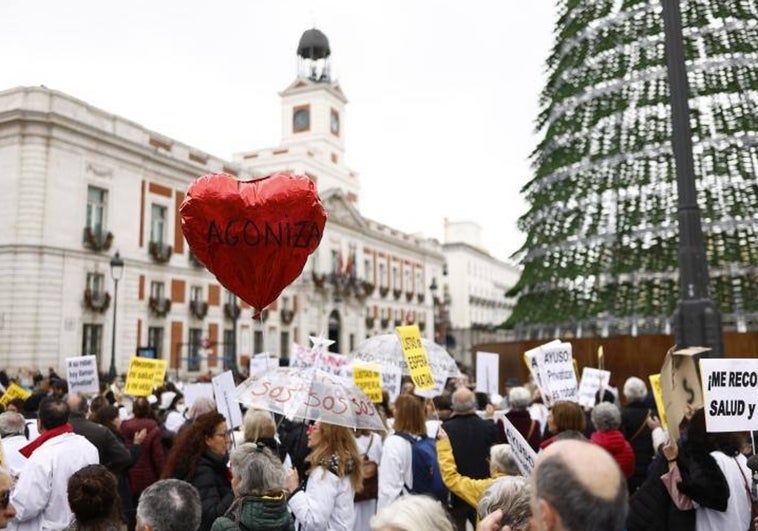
(160, 252)
(96, 301)
(97, 239)
(159, 306)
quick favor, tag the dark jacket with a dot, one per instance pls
(471, 438)
(113, 454)
(148, 467)
(526, 426)
(641, 438)
(211, 479)
(254, 513)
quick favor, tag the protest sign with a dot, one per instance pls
(730, 394)
(262, 362)
(141, 376)
(487, 372)
(680, 385)
(160, 373)
(320, 359)
(415, 357)
(14, 391)
(193, 391)
(81, 373)
(368, 379)
(655, 385)
(553, 370)
(593, 380)
(226, 401)
(524, 454)
(392, 381)
(440, 380)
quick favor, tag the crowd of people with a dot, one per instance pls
(115, 463)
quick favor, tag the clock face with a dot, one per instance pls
(335, 123)
(301, 120)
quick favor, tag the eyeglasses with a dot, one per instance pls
(5, 499)
(222, 434)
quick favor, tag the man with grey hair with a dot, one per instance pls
(169, 505)
(471, 438)
(510, 494)
(12, 426)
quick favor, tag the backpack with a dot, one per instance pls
(427, 478)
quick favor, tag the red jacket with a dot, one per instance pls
(614, 443)
(147, 470)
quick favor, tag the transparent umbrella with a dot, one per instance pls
(310, 394)
(385, 350)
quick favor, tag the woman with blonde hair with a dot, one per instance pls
(325, 500)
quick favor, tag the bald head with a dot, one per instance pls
(464, 401)
(578, 487)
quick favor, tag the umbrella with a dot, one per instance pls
(385, 350)
(310, 394)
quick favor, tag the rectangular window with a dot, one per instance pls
(395, 279)
(92, 341)
(96, 203)
(157, 290)
(257, 342)
(158, 224)
(196, 293)
(155, 340)
(229, 297)
(230, 350)
(195, 344)
(95, 283)
(368, 271)
(352, 342)
(284, 347)
(382, 276)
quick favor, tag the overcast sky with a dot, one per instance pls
(443, 94)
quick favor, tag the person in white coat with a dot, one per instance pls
(370, 448)
(324, 501)
(40, 496)
(12, 433)
(396, 467)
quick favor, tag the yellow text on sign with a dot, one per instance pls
(141, 376)
(14, 391)
(655, 383)
(369, 381)
(415, 357)
(160, 373)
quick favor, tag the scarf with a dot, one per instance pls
(29, 449)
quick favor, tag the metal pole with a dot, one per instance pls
(697, 320)
(112, 371)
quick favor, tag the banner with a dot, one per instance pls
(553, 370)
(226, 401)
(524, 454)
(593, 380)
(14, 391)
(655, 385)
(141, 376)
(730, 393)
(325, 361)
(415, 357)
(81, 373)
(488, 372)
(368, 379)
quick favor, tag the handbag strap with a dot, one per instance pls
(642, 426)
(747, 487)
(531, 430)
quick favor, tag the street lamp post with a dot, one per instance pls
(433, 289)
(117, 272)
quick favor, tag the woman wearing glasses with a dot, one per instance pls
(199, 456)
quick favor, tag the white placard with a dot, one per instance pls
(194, 391)
(226, 401)
(553, 370)
(730, 394)
(260, 363)
(592, 381)
(487, 372)
(392, 381)
(525, 456)
(82, 375)
(325, 361)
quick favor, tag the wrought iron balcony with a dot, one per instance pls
(385, 322)
(370, 322)
(97, 301)
(195, 261)
(286, 316)
(409, 296)
(420, 297)
(383, 291)
(97, 240)
(160, 306)
(199, 309)
(160, 252)
(396, 293)
(231, 311)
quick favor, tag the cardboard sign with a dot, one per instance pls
(730, 391)
(593, 380)
(141, 376)
(325, 361)
(226, 402)
(81, 373)
(487, 372)
(14, 391)
(524, 454)
(368, 379)
(262, 362)
(680, 385)
(194, 391)
(655, 385)
(553, 370)
(160, 373)
(415, 357)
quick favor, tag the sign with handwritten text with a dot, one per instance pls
(415, 356)
(524, 454)
(141, 376)
(81, 372)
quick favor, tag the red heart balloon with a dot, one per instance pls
(255, 236)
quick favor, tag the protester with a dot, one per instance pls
(607, 419)
(370, 448)
(199, 456)
(149, 465)
(501, 462)
(111, 452)
(172, 407)
(395, 469)
(258, 484)
(94, 500)
(259, 427)
(169, 505)
(530, 429)
(510, 495)
(40, 496)
(326, 500)
(471, 438)
(564, 416)
(12, 432)
(7, 510)
(412, 513)
(537, 409)
(636, 430)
